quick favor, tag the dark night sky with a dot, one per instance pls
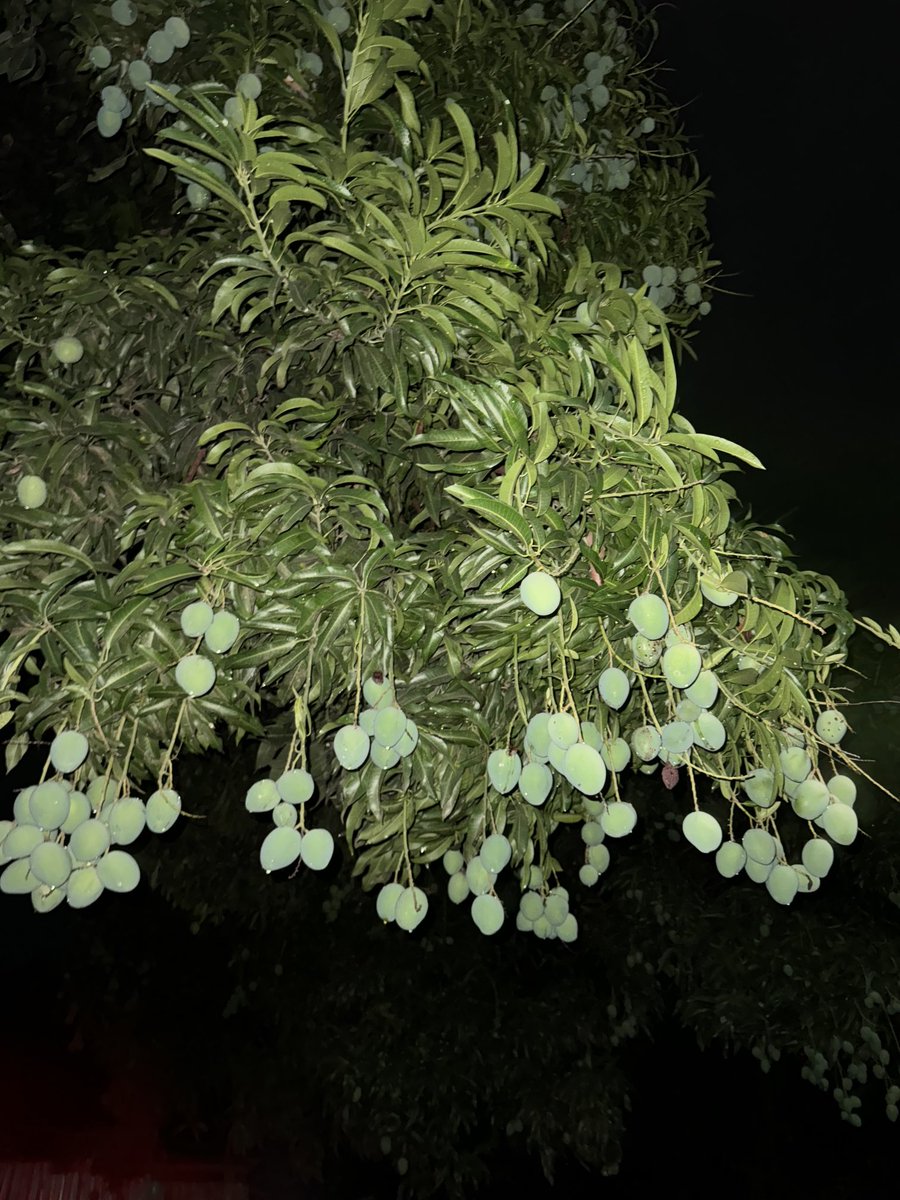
(792, 117)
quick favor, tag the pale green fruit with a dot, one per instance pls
(840, 823)
(118, 871)
(453, 861)
(139, 74)
(758, 872)
(782, 883)
(108, 122)
(178, 31)
(681, 664)
(613, 687)
(163, 808)
(44, 899)
(83, 887)
(842, 788)
(645, 742)
(21, 840)
(592, 735)
(488, 914)
(386, 902)
(367, 720)
(317, 849)
(598, 857)
(523, 924)
(687, 710)
(535, 878)
(376, 688)
(817, 856)
(122, 12)
(100, 57)
(703, 831)
(495, 852)
(715, 593)
(113, 100)
(412, 908)
(196, 619)
(556, 908)
(672, 757)
(760, 845)
(540, 592)
(351, 746)
(339, 19)
(127, 819)
(649, 615)
(588, 875)
(535, 783)
(295, 786)
(89, 841)
(760, 787)
(537, 734)
(592, 833)
(616, 754)
(31, 491)
(195, 675)
(543, 929)
(197, 195)
(730, 859)
(5, 827)
(458, 887)
(568, 930)
(531, 905)
(709, 732)
(810, 799)
(222, 633)
(585, 769)
(79, 812)
(280, 848)
(311, 62)
(408, 741)
(284, 814)
(249, 86)
(49, 805)
(704, 691)
(504, 770)
(383, 757)
(795, 763)
(831, 726)
(678, 635)
(806, 882)
(69, 349)
(478, 877)
(563, 730)
(646, 651)
(619, 819)
(160, 47)
(557, 757)
(68, 750)
(390, 726)
(16, 878)
(261, 796)
(677, 737)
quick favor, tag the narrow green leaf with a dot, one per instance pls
(500, 514)
(48, 546)
(165, 577)
(708, 444)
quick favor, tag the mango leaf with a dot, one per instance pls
(708, 444)
(500, 514)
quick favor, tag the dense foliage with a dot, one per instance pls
(374, 460)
